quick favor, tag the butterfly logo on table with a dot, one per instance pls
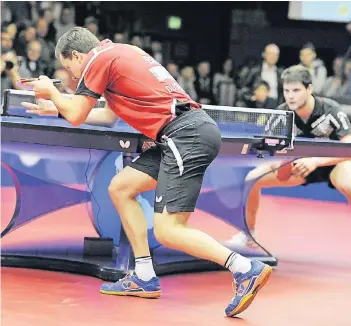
(124, 144)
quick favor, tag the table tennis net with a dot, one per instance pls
(245, 122)
(232, 121)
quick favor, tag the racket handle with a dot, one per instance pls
(56, 81)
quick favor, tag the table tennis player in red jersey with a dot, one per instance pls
(142, 93)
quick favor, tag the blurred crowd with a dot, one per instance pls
(30, 30)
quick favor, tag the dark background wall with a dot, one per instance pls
(212, 30)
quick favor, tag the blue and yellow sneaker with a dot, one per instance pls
(246, 286)
(133, 286)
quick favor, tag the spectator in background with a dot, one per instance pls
(186, 81)
(137, 41)
(10, 29)
(49, 18)
(28, 34)
(9, 69)
(346, 87)
(204, 83)
(32, 66)
(47, 47)
(244, 71)
(92, 24)
(308, 58)
(6, 14)
(65, 22)
(173, 69)
(6, 40)
(63, 75)
(22, 11)
(119, 37)
(268, 71)
(333, 84)
(224, 89)
(259, 97)
(156, 49)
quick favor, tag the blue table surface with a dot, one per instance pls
(239, 131)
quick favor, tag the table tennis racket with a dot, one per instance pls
(23, 82)
(285, 171)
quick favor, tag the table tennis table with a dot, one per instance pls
(96, 154)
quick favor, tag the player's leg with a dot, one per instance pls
(138, 177)
(340, 177)
(277, 174)
(185, 159)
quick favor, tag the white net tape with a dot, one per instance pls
(233, 121)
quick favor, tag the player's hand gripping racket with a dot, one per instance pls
(25, 83)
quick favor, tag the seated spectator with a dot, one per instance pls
(224, 88)
(12, 30)
(32, 66)
(268, 71)
(47, 47)
(334, 83)
(65, 22)
(9, 70)
(204, 83)
(119, 37)
(28, 34)
(92, 24)
(173, 69)
(345, 89)
(6, 14)
(48, 16)
(156, 48)
(258, 96)
(6, 40)
(137, 41)
(308, 58)
(186, 81)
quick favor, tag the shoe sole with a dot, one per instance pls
(147, 295)
(248, 298)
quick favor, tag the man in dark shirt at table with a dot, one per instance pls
(315, 117)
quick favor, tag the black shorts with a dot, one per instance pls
(319, 175)
(184, 150)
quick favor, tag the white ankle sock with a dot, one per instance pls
(237, 263)
(144, 268)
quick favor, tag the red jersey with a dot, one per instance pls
(136, 87)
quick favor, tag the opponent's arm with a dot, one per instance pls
(343, 131)
(326, 161)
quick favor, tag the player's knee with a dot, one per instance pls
(161, 233)
(120, 190)
(164, 234)
(340, 178)
(343, 186)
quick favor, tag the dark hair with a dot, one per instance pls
(79, 39)
(310, 46)
(260, 82)
(297, 74)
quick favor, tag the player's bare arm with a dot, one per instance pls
(75, 109)
(97, 117)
